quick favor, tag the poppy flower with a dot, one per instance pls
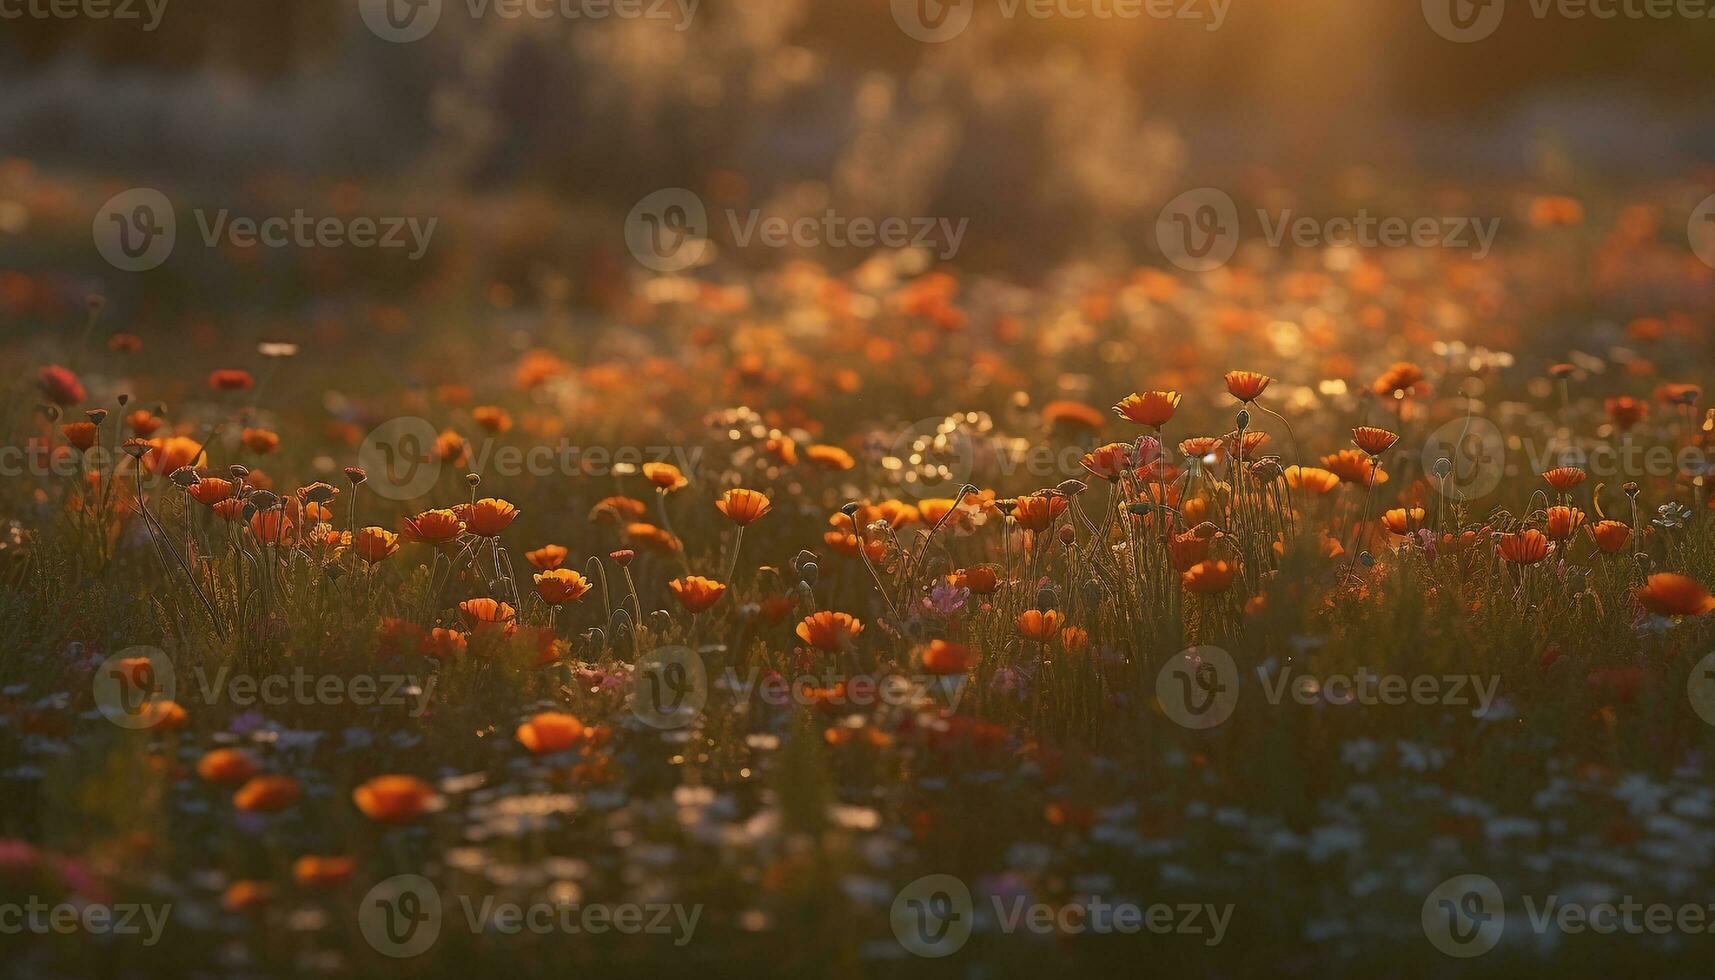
(143, 423)
(317, 871)
(1525, 547)
(1248, 446)
(1152, 408)
(1108, 462)
(558, 586)
(1403, 521)
(1206, 448)
(980, 579)
(81, 435)
(1075, 415)
(230, 379)
(1373, 440)
(487, 517)
(547, 557)
(486, 612)
(230, 509)
(1626, 411)
(451, 448)
(267, 794)
(493, 418)
(271, 527)
(743, 507)
(1247, 386)
(226, 766)
(617, 510)
(1039, 511)
(665, 476)
(1668, 594)
(60, 386)
(830, 457)
(259, 441)
(1563, 522)
(647, 537)
(374, 544)
(1400, 378)
(829, 631)
(1039, 625)
(1352, 466)
(171, 453)
(1564, 478)
(246, 895)
(1074, 638)
(697, 593)
(549, 732)
(395, 799)
(1188, 549)
(1311, 479)
(935, 510)
(945, 657)
(782, 449)
(1209, 577)
(432, 527)
(441, 643)
(1610, 536)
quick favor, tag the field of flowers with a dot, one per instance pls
(870, 621)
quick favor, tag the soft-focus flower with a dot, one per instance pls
(395, 799)
(231, 379)
(1353, 466)
(226, 766)
(1627, 411)
(550, 731)
(1209, 577)
(830, 457)
(1401, 378)
(267, 794)
(259, 441)
(81, 435)
(1108, 462)
(1311, 479)
(60, 386)
(318, 871)
(945, 657)
(665, 476)
(492, 417)
(547, 557)
(1669, 594)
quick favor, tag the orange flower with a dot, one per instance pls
(246, 895)
(81, 435)
(1209, 577)
(1399, 379)
(980, 579)
(374, 544)
(665, 476)
(1525, 547)
(230, 379)
(1039, 625)
(648, 537)
(271, 527)
(226, 766)
(1073, 415)
(443, 644)
(1247, 386)
(830, 457)
(697, 593)
(1312, 480)
(1563, 522)
(830, 631)
(944, 657)
(743, 507)
(1108, 462)
(1039, 512)
(492, 418)
(1152, 408)
(60, 386)
(316, 871)
(1609, 536)
(1373, 440)
(267, 794)
(550, 731)
(1627, 411)
(1401, 521)
(617, 510)
(432, 527)
(487, 517)
(451, 448)
(173, 452)
(143, 423)
(1564, 478)
(485, 612)
(783, 449)
(1199, 447)
(1353, 466)
(1074, 638)
(259, 441)
(231, 509)
(558, 586)
(1667, 594)
(1188, 549)
(395, 799)
(936, 509)
(547, 557)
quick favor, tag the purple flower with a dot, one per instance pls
(946, 599)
